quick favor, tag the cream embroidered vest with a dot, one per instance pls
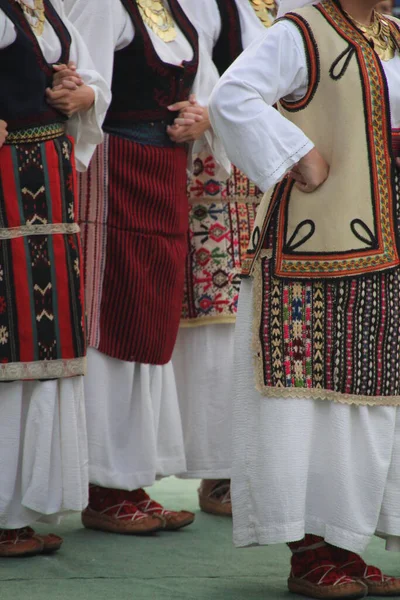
(347, 227)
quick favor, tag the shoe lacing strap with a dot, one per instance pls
(150, 506)
(218, 493)
(315, 546)
(13, 536)
(137, 515)
(340, 581)
(384, 578)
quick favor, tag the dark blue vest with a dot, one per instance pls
(25, 74)
(229, 44)
(143, 86)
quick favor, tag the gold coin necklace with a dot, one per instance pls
(158, 17)
(36, 15)
(379, 33)
(265, 11)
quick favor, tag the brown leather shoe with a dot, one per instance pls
(172, 520)
(112, 511)
(345, 588)
(51, 543)
(15, 543)
(215, 497)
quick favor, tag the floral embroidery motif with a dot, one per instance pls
(221, 218)
(219, 236)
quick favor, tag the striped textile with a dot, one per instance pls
(42, 330)
(134, 220)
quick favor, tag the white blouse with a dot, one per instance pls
(106, 27)
(84, 127)
(259, 140)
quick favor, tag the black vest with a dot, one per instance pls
(229, 44)
(25, 74)
(143, 86)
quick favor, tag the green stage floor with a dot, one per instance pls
(198, 563)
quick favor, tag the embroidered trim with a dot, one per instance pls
(313, 394)
(46, 369)
(258, 235)
(44, 229)
(313, 64)
(327, 340)
(196, 322)
(34, 135)
(357, 262)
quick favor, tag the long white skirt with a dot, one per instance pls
(203, 365)
(133, 420)
(43, 451)
(309, 466)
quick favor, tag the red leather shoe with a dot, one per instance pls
(314, 573)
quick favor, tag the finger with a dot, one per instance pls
(69, 85)
(57, 94)
(184, 122)
(67, 74)
(298, 177)
(59, 67)
(306, 188)
(192, 99)
(194, 110)
(194, 118)
(179, 105)
(72, 65)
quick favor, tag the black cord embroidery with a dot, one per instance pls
(346, 57)
(369, 238)
(290, 246)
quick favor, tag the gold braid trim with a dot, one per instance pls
(36, 135)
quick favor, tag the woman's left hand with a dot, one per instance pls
(67, 76)
(70, 102)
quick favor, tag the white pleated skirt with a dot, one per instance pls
(133, 421)
(43, 451)
(203, 365)
(309, 466)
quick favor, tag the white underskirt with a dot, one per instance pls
(134, 425)
(309, 465)
(43, 451)
(203, 365)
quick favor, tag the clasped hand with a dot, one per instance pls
(192, 122)
(69, 94)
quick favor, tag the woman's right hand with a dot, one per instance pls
(3, 133)
(310, 172)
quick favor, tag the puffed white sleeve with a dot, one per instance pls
(206, 79)
(86, 127)
(258, 139)
(104, 27)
